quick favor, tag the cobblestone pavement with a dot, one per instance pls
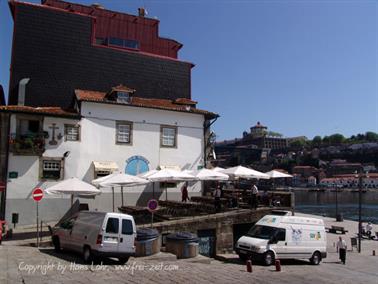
(25, 264)
(20, 264)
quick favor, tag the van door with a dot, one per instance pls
(127, 236)
(111, 235)
(279, 244)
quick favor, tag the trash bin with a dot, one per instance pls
(182, 244)
(339, 217)
(148, 242)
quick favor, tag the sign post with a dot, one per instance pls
(152, 206)
(37, 196)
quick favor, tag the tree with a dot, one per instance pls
(317, 140)
(274, 134)
(326, 140)
(336, 138)
(371, 136)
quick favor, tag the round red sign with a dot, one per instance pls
(152, 205)
(37, 194)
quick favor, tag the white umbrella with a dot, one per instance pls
(102, 179)
(120, 179)
(218, 169)
(278, 174)
(169, 175)
(243, 172)
(147, 174)
(74, 187)
(206, 174)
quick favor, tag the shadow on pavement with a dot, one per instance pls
(236, 260)
(70, 256)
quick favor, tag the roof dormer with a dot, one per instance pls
(120, 94)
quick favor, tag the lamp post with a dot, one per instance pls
(337, 203)
(360, 176)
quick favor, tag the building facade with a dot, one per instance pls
(108, 95)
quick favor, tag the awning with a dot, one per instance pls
(170, 167)
(105, 166)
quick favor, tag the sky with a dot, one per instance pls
(299, 67)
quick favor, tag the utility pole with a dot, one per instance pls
(359, 211)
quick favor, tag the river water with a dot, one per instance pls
(324, 203)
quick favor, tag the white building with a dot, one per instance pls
(105, 132)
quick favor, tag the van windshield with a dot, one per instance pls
(262, 232)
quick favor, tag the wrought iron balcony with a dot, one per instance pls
(28, 144)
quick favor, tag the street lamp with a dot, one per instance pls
(360, 176)
(337, 203)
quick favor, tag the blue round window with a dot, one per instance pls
(136, 165)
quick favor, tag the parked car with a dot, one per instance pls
(284, 237)
(97, 234)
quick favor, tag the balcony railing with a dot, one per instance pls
(28, 144)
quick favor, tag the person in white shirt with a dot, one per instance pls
(369, 228)
(342, 247)
(254, 193)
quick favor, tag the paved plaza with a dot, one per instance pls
(26, 264)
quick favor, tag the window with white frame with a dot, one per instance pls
(51, 168)
(168, 136)
(72, 132)
(123, 132)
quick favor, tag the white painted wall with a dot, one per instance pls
(97, 143)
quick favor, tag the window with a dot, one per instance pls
(71, 132)
(112, 226)
(123, 97)
(125, 43)
(168, 136)
(123, 132)
(51, 168)
(127, 227)
(28, 127)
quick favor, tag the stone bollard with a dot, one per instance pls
(373, 252)
(278, 265)
(249, 266)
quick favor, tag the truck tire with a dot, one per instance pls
(87, 254)
(268, 258)
(56, 244)
(123, 260)
(316, 258)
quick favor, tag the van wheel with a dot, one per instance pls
(268, 258)
(87, 254)
(243, 257)
(316, 258)
(123, 260)
(56, 244)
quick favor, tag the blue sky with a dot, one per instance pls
(299, 67)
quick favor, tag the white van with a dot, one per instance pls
(284, 237)
(97, 234)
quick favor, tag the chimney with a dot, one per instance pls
(141, 12)
(21, 91)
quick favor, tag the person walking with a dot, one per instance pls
(342, 247)
(217, 202)
(184, 192)
(254, 193)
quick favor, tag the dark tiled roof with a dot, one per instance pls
(49, 111)
(100, 97)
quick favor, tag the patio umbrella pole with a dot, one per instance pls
(166, 194)
(122, 195)
(113, 197)
(72, 199)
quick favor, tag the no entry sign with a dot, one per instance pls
(37, 194)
